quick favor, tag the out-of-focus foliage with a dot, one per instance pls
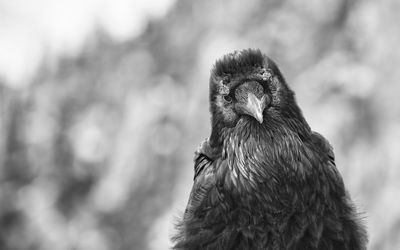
(96, 153)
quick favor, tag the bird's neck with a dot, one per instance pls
(257, 153)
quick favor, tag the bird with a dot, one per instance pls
(263, 179)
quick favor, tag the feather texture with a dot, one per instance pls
(272, 185)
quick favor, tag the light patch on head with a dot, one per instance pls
(222, 88)
(275, 89)
(266, 76)
(219, 101)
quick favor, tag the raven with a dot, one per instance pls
(264, 179)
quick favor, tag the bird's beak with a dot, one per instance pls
(255, 107)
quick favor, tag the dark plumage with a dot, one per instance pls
(264, 179)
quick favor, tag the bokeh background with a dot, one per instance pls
(102, 104)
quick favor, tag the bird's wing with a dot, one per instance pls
(330, 169)
(191, 230)
(325, 146)
(205, 218)
(342, 225)
(204, 178)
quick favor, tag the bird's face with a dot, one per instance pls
(249, 84)
(247, 98)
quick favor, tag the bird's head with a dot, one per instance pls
(249, 84)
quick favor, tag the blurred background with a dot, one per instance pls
(102, 104)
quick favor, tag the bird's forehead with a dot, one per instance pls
(242, 91)
(249, 86)
(261, 73)
(253, 80)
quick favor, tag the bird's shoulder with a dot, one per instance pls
(324, 146)
(348, 232)
(204, 158)
(204, 175)
(328, 168)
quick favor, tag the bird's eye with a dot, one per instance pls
(227, 98)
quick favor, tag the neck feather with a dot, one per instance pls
(258, 153)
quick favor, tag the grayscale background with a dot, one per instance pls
(103, 102)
